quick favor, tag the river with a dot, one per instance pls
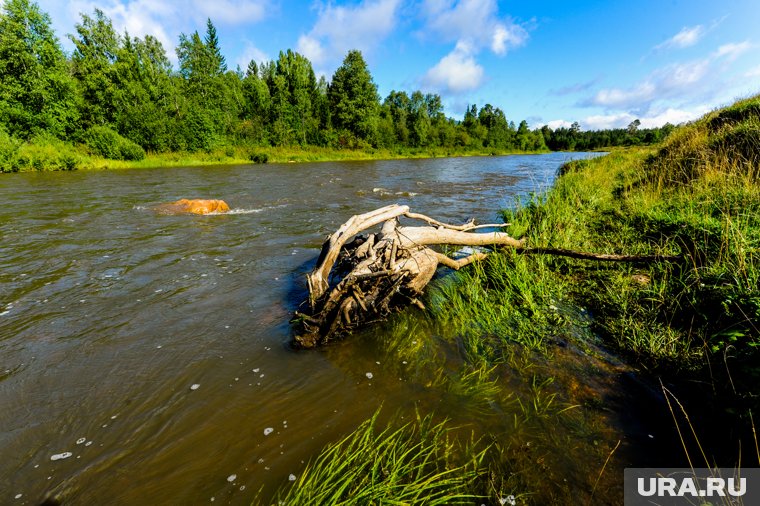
(155, 349)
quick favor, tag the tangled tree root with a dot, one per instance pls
(374, 275)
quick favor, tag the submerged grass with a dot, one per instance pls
(415, 463)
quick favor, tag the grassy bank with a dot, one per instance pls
(46, 153)
(693, 324)
(697, 196)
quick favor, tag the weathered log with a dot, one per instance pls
(381, 272)
(317, 279)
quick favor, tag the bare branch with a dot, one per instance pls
(470, 225)
(317, 279)
(424, 236)
(458, 264)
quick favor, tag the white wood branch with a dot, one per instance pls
(317, 279)
(427, 236)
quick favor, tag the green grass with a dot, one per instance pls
(698, 196)
(416, 463)
(44, 153)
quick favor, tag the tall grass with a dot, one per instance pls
(417, 463)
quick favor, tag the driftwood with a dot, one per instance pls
(374, 274)
(359, 279)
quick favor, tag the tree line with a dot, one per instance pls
(120, 96)
(575, 139)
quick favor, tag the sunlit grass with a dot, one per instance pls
(416, 463)
(47, 153)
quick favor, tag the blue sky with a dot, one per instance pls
(601, 63)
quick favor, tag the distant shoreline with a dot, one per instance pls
(70, 158)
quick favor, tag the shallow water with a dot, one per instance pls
(145, 358)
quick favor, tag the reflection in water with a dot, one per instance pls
(145, 358)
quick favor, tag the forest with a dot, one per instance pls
(118, 97)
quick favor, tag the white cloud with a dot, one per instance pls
(732, 51)
(504, 38)
(605, 122)
(673, 116)
(687, 37)
(474, 21)
(339, 29)
(616, 97)
(651, 119)
(456, 72)
(311, 48)
(558, 123)
(166, 20)
(677, 80)
(251, 52)
(139, 18)
(753, 72)
(474, 25)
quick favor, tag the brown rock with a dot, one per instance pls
(194, 206)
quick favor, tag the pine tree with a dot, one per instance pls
(353, 98)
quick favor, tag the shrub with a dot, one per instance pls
(9, 147)
(44, 152)
(109, 144)
(259, 157)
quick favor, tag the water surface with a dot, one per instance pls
(155, 349)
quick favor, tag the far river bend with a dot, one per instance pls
(154, 349)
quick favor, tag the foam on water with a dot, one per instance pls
(240, 211)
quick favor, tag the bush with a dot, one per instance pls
(47, 152)
(259, 157)
(109, 144)
(9, 147)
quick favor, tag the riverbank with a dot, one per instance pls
(46, 153)
(690, 329)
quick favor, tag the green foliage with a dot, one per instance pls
(145, 94)
(697, 196)
(109, 144)
(573, 138)
(725, 142)
(127, 84)
(43, 152)
(259, 157)
(36, 91)
(92, 62)
(417, 463)
(9, 147)
(353, 98)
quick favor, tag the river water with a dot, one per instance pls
(154, 349)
